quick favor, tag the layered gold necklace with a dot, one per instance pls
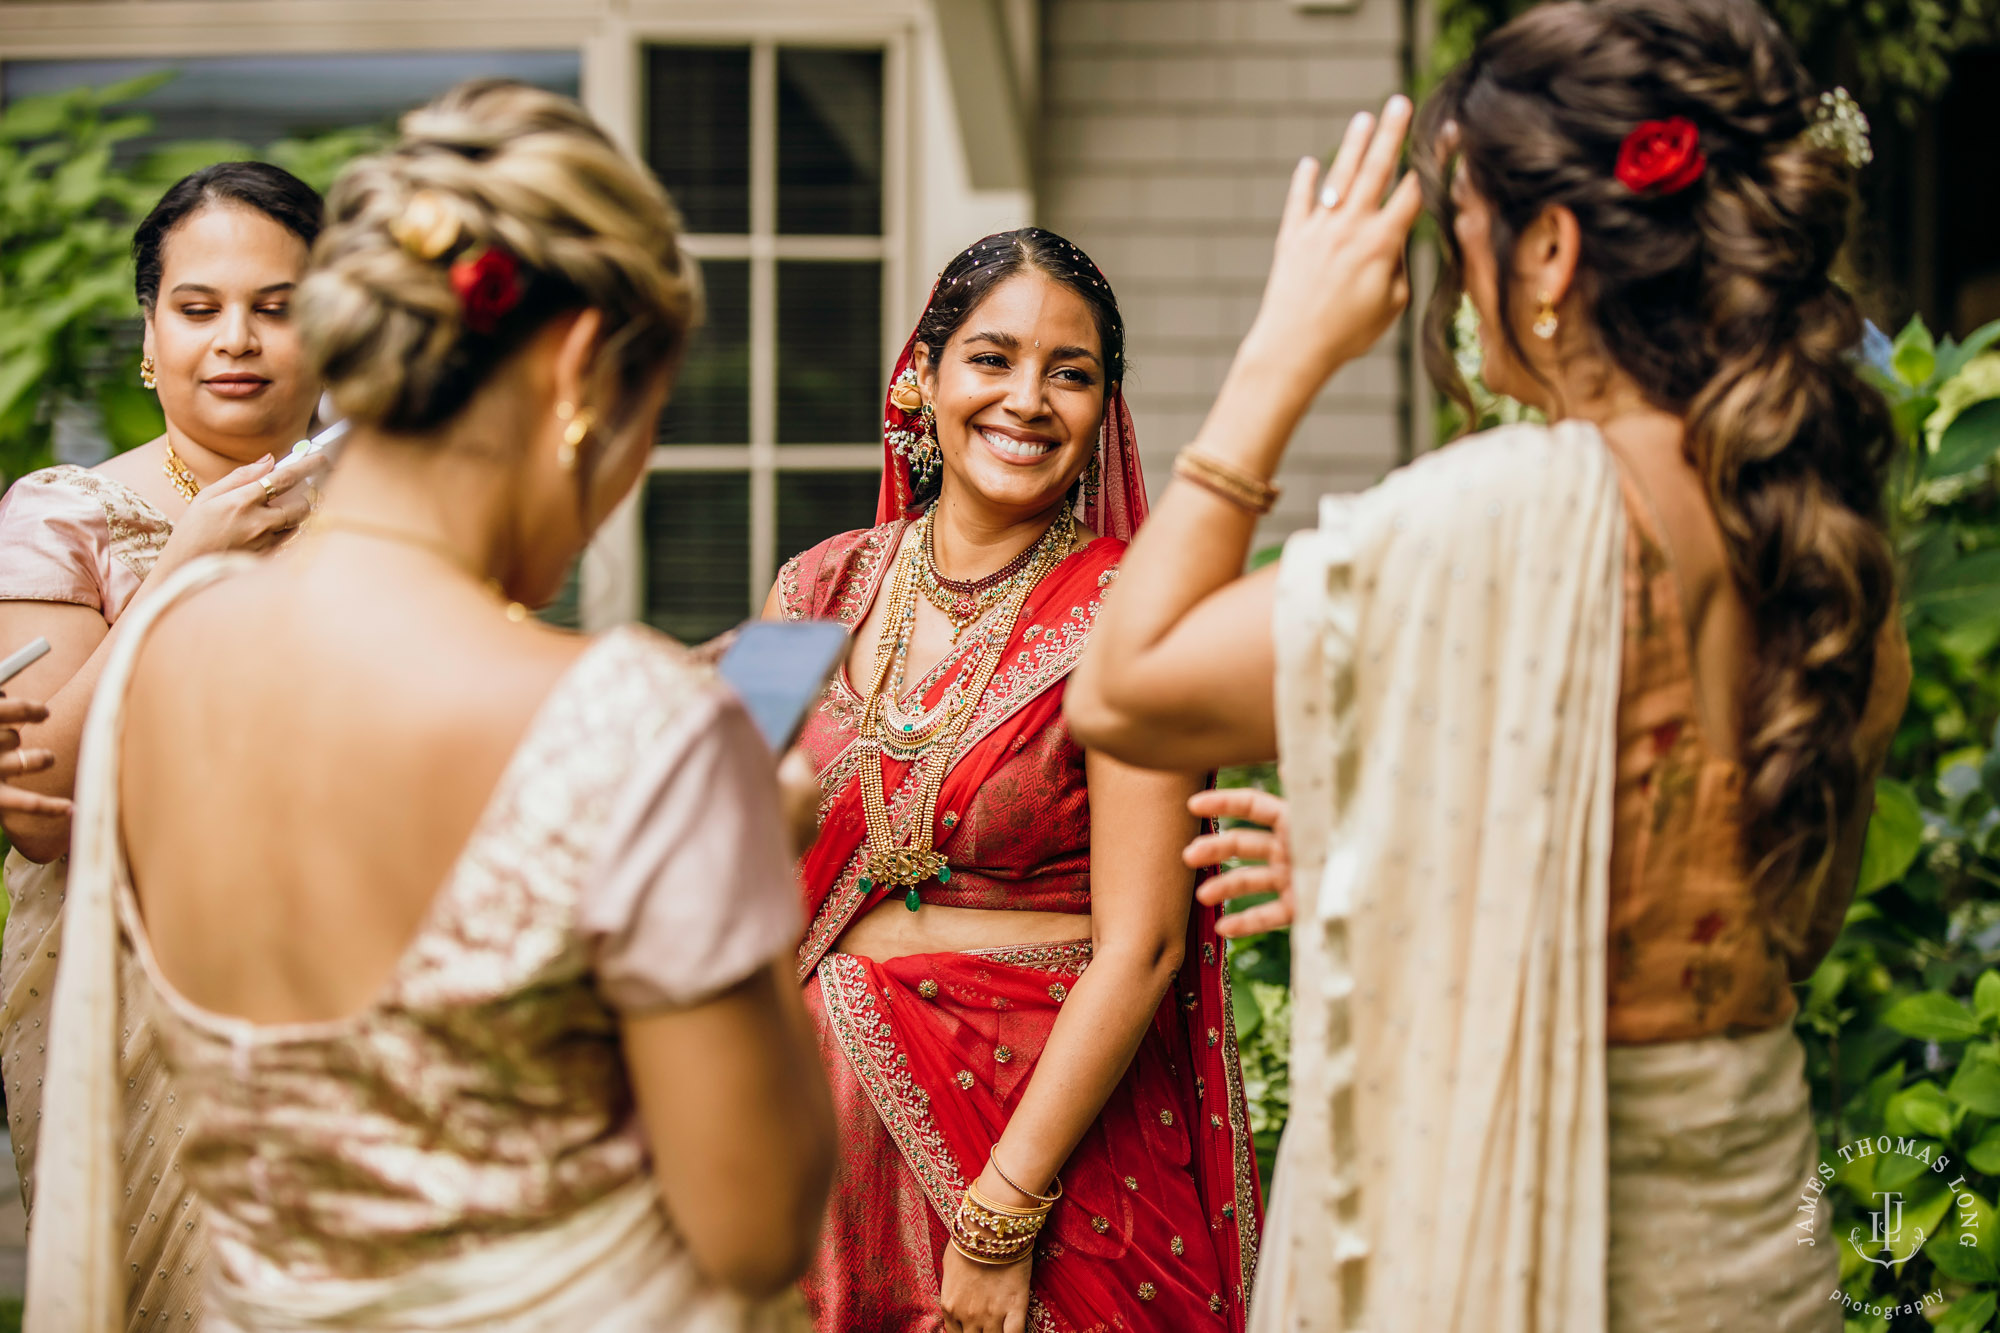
(928, 737)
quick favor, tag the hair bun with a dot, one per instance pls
(490, 167)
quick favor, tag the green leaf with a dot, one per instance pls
(132, 89)
(1910, 414)
(1986, 996)
(1960, 1263)
(1963, 590)
(34, 117)
(1895, 836)
(1931, 1016)
(1969, 442)
(1914, 354)
(1953, 359)
(1984, 1156)
(1976, 1086)
(1919, 1109)
(1243, 1008)
(1969, 1314)
(1895, 1170)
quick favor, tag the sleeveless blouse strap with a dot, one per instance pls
(75, 1254)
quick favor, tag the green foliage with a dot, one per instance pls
(1900, 50)
(69, 330)
(1260, 978)
(1902, 1020)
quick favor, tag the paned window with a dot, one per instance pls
(776, 157)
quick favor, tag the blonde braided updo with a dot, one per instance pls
(490, 166)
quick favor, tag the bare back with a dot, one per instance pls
(307, 750)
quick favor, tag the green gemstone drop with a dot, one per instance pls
(866, 884)
(910, 899)
(944, 874)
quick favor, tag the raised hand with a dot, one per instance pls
(1269, 846)
(1338, 277)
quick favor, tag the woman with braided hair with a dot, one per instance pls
(466, 939)
(1578, 723)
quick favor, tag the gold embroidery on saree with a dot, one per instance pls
(869, 1041)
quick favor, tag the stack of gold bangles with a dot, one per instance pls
(997, 1234)
(1225, 480)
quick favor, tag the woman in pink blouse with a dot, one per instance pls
(216, 263)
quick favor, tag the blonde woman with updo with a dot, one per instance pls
(470, 937)
(1578, 722)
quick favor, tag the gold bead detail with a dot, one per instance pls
(1166, 1117)
(1147, 1291)
(1058, 992)
(1003, 1053)
(927, 988)
(1100, 1225)
(1177, 1245)
(964, 1077)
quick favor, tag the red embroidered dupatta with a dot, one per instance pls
(1158, 1228)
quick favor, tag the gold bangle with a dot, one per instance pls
(993, 1161)
(1226, 481)
(988, 1263)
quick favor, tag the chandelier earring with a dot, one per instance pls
(919, 446)
(579, 421)
(148, 373)
(1546, 322)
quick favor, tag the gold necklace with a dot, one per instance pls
(906, 865)
(181, 476)
(362, 527)
(964, 601)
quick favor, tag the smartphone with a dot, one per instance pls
(22, 660)
(326, 442)
(779, 668)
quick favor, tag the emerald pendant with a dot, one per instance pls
(944, 874)
(910, 899)
(866, 884)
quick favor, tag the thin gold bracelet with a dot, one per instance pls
(1226, 481)
(993, 1160)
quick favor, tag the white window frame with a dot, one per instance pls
(610, 37)
(762, 457)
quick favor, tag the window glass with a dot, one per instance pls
(698, 132)
(813, 506)
(257, 99)
(829, 142)
(829, 352)
(697, 530)
(711, 395)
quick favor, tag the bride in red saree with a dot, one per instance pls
(968, 1048)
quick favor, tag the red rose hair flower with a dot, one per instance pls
(488, 285)
(1661, 157)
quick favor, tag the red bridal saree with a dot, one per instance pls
(929, 1054)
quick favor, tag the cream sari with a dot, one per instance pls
(1448, 673)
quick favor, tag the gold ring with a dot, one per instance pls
(270, 487)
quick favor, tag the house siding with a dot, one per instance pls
(1168, 131)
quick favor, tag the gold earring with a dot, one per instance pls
(148, 373)
(1546, 322)
(574, 434)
